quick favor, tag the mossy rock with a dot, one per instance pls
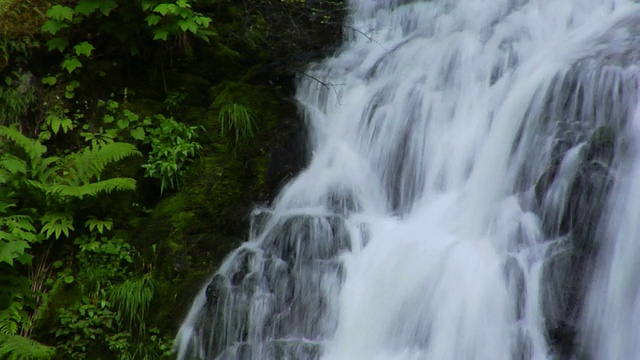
(260, 100)
(194, 86)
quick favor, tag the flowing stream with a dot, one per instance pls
(473, 192)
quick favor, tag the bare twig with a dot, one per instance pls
(327, 85)
(369, 37)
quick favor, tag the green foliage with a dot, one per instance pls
(16, 347)
(160, 19)
(175, 17)
(113, 312)
(17, 234)
(132, 299)
(173, 147)
(53, 181)
(57, 224)
(101, 226)
(68, 251)
(82, 325)
(236, 120)
(15, 322)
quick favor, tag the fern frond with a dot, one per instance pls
(9, 321)
(92, 161)
(13, 165)
(42, 169)
(93, 189)
(15, 347)
(33, 148)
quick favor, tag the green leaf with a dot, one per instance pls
(70, 64)
(66, 125)
(53, 26)
(138, 133)
(56, 224)
(107, 119)
(84, 48)
(10, 251)
(13, 164)
(188, 25)
(49, 80)
(160, 34)
(152, 19)
(106, 6)
(203, 21)
(101, 225)
(68, 279)
(57, 264)
(58, 43)
(72, 85)
(122, 124)
(163, 9)
(86, 7)
(60, 13)
(183, 4)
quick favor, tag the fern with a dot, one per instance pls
(15, 347)
(13, 165)
(10, 319)
(17, 233)
(33, 148)
(93, 189)
(91, 162)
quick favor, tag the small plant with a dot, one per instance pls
(173, 146)
(132, 299)
(237, 121)
(174, 100)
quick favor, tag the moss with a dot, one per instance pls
(20, 23)
(193, 85)
(260, 100)
(146, 107)
(259, 166)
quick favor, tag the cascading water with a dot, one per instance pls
(473, 193)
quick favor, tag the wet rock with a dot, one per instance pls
(215, 290)
(243, 265)
(562, 339)
(289, 156)
(343, 202)
(544, 182)
(601, 145)
(302, 238)
(573, 224)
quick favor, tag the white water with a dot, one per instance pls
(421, 228)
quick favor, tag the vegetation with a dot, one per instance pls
(134, 134)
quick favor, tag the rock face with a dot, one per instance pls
(271, 301)
(288, 157)
(571, 194)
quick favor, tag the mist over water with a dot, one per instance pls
(473, 192)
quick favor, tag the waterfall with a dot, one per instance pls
(473, 192)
